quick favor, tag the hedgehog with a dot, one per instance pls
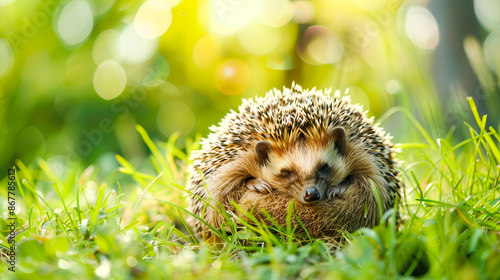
(297, 145)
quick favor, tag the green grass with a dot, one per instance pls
(75, 227)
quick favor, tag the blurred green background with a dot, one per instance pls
(77, 76)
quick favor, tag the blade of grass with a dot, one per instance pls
(196, 217)
(152, 147)
(493, 148)
(139, 199)
(55, 182)
(97, 207)
(378, 199)
(187, 227)
(56, 216)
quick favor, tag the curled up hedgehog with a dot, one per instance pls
(303, 145)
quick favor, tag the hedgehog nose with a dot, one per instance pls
(311, 194)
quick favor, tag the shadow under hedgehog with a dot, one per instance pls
(303, 145)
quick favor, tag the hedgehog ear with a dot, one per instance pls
(339, 137)
(262, 149)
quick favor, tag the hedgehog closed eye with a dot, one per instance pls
(324, 170)
(285, 174)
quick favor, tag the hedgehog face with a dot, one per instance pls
(312, 172)
(307, 173)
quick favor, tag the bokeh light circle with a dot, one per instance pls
(392, 86)
(6, 57)
(109, 79)
(75, 22)
(303, 11)
(269, 38)
(232, 76)
(334, 49)
(488, 13)
(136, 49)
(105, 47)
(175, 117)
(153, 19)
(205, 52)
(227, 17)
(421, 28)
(320, 45)
(276, 13)
(491, 51)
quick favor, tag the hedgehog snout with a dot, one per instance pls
(311, 194)
(315, 190)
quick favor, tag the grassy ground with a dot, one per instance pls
(72, 226)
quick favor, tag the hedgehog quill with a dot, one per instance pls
(306, 146)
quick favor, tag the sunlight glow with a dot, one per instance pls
(392, 86)
(135, 48)
(6, 57)
(232, 76)
(276, 13)
(491, 53)
(109, 79)
(320, 45)
(421, 28)
(75, 22)
(105, 47)
(488, 13)
(304, 11)
(228, 16)
(153, 19)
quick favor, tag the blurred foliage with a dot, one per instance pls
(77, 76)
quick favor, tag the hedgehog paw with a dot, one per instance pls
(335, 192)
(258, 185)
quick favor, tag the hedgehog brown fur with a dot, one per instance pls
(303, 145)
